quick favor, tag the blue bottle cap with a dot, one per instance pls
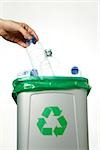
(34, 72)
(75, 70)
(33, 40)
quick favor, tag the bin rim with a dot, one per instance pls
(44, 83)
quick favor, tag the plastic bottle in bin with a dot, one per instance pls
(50, 66)
(28, 73)
(22, 74)
(43, 60)
(34, 72)
(45, 65)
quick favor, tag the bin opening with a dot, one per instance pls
(48, 83)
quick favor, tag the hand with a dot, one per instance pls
(16, 32)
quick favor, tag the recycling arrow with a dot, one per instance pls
(61, 119)
(56, 111)
(63, 123)
(45, 131)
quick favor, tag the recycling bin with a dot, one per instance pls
(51, 113)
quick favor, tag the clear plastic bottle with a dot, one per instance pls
(46, 67)
(36, 55)
(43, 60)
(50, 66)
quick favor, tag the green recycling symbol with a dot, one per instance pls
(61, 119)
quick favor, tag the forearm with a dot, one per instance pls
(1, 26)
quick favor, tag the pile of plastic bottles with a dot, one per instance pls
(43, 63)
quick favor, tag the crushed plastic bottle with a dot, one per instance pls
(23, 74)
(28, 73)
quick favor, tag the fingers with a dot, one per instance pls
(25, 34)
(21, 43)
(28, 31)
(18, 32)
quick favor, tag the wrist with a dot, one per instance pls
(1, 27)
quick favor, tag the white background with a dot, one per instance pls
(72, 30)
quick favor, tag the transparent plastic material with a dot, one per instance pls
(28, 73)
(55, 66)
(36, 55)
(46, 64)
